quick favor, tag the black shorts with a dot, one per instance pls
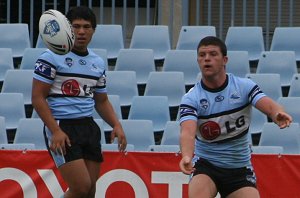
(227, 180)
(85, 137)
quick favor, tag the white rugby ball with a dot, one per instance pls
(56, 32)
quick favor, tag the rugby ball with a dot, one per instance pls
(56, 32)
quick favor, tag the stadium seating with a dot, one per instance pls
(3, 135)
(16, 37)
(109, 37)
(155, 37)
(295, 86)
(138, 133)
(281, 62)
(114, 147)
(154, 108)
(30, 130)
(246, 38)
(238, 63)
(30, 57)
(288, 138)
(18, 81)
(6, 62)
(184, 61)
(124, 84)
(273, 90)
(170, 84)
(257, 121)
(190, 36)
(286, 39)
(102, 53)
(164, 148)
(290, 105)
(115, 102)
(139, 60)
(12, 108)
(171, 133)
(267, 150)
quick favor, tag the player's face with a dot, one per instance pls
(211, 60)
(83, 34)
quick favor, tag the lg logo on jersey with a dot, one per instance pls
(210, 130)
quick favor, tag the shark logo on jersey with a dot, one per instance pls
(95, 68)
(69, 61)
(51, 28)
(70, 87)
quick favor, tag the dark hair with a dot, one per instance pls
(82, 12)
(212, 40)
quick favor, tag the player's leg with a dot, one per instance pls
(245, 192)
(77, 177)
(202, 185)
(94, 171)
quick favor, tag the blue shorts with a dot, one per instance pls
(85, 137)
(227, 180)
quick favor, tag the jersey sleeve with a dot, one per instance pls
(188, 107)
(45, 70)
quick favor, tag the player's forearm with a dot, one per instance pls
(187, 144)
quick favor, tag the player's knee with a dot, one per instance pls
(82, 190)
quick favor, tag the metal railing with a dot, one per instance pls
(174, 13)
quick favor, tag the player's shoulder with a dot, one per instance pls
(242, 81)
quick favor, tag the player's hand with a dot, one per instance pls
(59, 141)
(119, 133)
(186, 166)
(283, 119)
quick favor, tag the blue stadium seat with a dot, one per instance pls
(18, 81)
(267, 150)
(171, 133)
(295, 86)
(170, 84)
(30, 57)
(6, 62)
(273, 90)
(12, 108)
(15, 36)
(102, 53)
(190, 36)
(164, 148)
(109, 37)
(155, 37)
(3, 135)
(288, 138)
(114, 147)
(286, 39)
(115, 102)
(124, 84)
(154, 108)
(184, 61)
(280, 62)
(30, 130)
(139, 60)
(290, 105)
(238, 63)
(246, 38)
(139, 133)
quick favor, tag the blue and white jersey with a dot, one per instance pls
(223, 116)
(74, 79)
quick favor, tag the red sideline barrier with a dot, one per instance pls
(32, 174)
